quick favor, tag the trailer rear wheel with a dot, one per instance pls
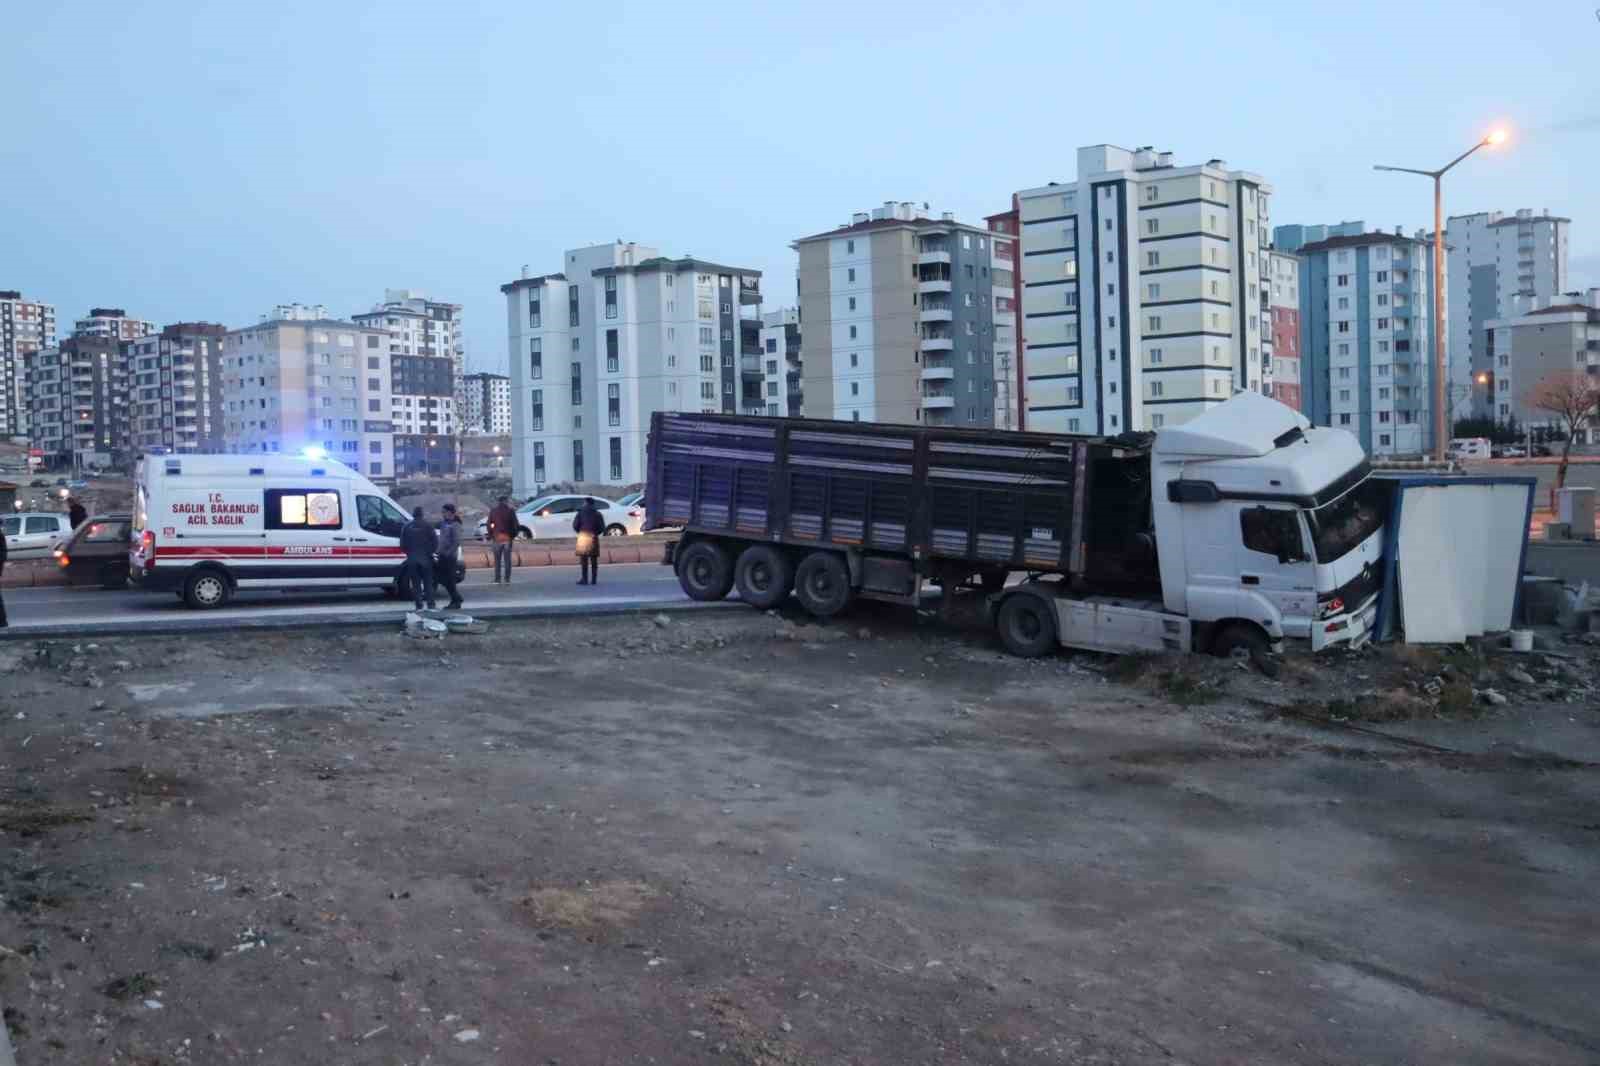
(822, 584)
(763, 575)
(1027, 626)
(704, 571)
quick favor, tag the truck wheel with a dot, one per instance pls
(1027, 626)
(763, 576)
(1240, 640)
(822, 584)
(704, 571)
(206, 589)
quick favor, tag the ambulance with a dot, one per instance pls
(207, 526)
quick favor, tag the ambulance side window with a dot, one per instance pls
(303, 509)
(377, 516)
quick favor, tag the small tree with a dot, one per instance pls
(1572, 397)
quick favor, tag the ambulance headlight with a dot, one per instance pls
(314, 452)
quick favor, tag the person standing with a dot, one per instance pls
(588, 525)
(420, 543)
(502, 531)
(444, 563)
(76, 515)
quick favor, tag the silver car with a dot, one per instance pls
(32, 534)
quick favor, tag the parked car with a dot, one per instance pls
(1470, 448)
(1543, 451)
(550, 518)
(38, 483)
(97, 551)
(632, 499)
(32, 534)
(1510, 451)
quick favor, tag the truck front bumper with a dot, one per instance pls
(1353, 627)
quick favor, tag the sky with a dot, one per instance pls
(209, 161)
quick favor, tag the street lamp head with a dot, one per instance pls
(1495, 137)
(1483, 379)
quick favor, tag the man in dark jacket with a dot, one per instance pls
(76, 515)
(3, 622)
(502, 531)
(444, 564)
(588, 525)
(420, 543)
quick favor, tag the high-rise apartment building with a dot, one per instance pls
(1541, 341)
(488, 406)
(1283, 304)
(1006, 244)
(620, 333)
(1366, 333)
(898, 309)
(1143, 290)
(780, 362)
(26, 326)
(289, 384)
(112, 322)
(1494, 264)
(79, 397)
(176, 381)
(424, 327)
(423, 402)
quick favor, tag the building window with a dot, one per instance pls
(1383, 416)
(1344, 373)
(853, 359)
(1155, 388)
(614, 405)
(772, 344)
(1344, 395)
(1342, 280)
(533, 310)
(572, 305)
(611, 296)
(1344, 303)
(1343, 327)
(1157, 421)
(611, 351)
(1155, 291)
(1152, 259)
(850, 274)
(538, 462)
(1152, 225)
(616, 459)
(852, 333)
(855, 388)
(577, 384)
(372, 340)
(1155, 355)
(1383, 299)
(1383, 323)
(1155, 323)
(850, 247)
(536, 415)
(577, 460)
(1344, 349)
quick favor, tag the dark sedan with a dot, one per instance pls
(97, 552)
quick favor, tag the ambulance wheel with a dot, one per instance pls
(206, 589)
(1026, 626)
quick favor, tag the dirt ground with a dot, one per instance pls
(728, 838)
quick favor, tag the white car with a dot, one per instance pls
(550, 518)
(32, 534)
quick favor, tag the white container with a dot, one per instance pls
(1522, 640)
(1576, 508)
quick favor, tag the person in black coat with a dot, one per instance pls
(420, 542)
(76, 515)
(588, 525)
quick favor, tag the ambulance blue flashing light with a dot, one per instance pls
(314, 452)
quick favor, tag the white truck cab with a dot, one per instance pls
(205, 526)
(1263, 518)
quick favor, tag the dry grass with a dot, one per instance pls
(36, 820)
(607, 903)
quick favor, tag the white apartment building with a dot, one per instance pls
(26, 327)
(1541, 339)
(899, 319)
(112, 322)
(488, 405)
(420, 326)
(293, 383)
(1496, 263)
(780, 392)
(620, 333)
(1143, 290)
(298, 312)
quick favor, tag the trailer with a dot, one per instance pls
(834, 511)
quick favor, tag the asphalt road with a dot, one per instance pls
(534, 590)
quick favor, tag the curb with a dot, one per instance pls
(141, 627)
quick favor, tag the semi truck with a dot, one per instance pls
(1229, 533)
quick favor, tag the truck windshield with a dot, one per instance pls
(1340, 525)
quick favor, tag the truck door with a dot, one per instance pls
(1273, 559)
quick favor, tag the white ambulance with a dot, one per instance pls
(206, 526)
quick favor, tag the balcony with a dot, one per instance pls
(938, 373)
(929, 285)
(932, 258)
(750, 365)
(937, 344)
(938, 402)
(936, 313)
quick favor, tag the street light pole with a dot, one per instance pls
(1439, 435)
